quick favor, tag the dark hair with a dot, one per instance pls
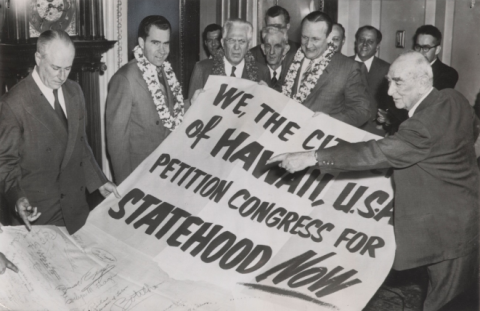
(318, 16)
(428, 30)
(341, 27)
(48, 36)
(211, 28)
(152, 20)
(277, 10)
(368, 27)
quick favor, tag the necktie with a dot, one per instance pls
(161, 81)
(59, 110)
(233, 71)
(364, 69)
(274, 79)
(307, 71)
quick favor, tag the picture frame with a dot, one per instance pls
(54, 14)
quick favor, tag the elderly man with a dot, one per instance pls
(145, 102)
(45, 160)
(212, 34)
(275, 16)
(275, 48)
(325, 81)
(237, 61)
(428, 40)
(338, 37)
(435, 177)
(367, 44)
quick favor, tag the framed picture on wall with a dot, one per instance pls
(52, 14)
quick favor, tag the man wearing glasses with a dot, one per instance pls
(235, 61)
(427, 41)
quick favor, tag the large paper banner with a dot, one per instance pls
(207, 208)
(205, 224)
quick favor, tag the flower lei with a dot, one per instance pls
(150, 75)
(250, 65)
(318, 66)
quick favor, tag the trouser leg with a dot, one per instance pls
(449, 278)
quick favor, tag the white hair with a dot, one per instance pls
(237, 22)
(271, 30)
(418, 66)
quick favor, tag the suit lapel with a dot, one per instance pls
(73, 114)
(39, 108)
(323, 78)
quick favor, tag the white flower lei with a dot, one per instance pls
(318, 66)
(150, 75)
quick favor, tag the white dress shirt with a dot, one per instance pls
(368, 62)
(238, 68)
(48, 92)
(278, 71)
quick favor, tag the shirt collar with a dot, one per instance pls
(46, 91)
(367, 63)
(278, 71)
(238, 70)
(412, 111)
(433, 61)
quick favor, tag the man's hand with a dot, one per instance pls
(108, 188)
(382, 117)
(261, 82)
(296, 161)
(26, 212)
(5, 263)
(196, 94)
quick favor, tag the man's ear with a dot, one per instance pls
(141, 42)
(287, 48)
(288, 26)
(263, 48)
(38, 57)
(438, 49)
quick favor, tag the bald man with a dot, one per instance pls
(435, 178)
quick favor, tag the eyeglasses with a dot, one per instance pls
(424, 48)
(231, 41)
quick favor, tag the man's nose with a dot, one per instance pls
(391, 89)
(63, 74)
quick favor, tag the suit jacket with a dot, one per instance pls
(133, 126)
(43, 162)
(443, 76)
(203, 69)
(341, 91)
(435, 178)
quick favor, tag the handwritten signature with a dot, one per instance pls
(127, 303)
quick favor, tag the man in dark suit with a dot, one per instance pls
(435, 177)
(367, 44)
(275, 48)
(428, 40)
(275, 16)
(237, 61)
(338, 37)
(212, 36)
(325, 81)
(45, 160)
(144, 102)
